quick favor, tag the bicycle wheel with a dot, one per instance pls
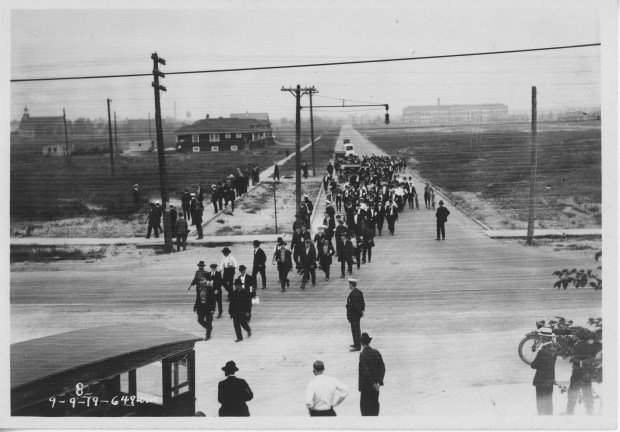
(529, 347)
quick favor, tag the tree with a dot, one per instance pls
(579, 278)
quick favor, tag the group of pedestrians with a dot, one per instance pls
(585, 352)
(323, 393)
(223, 194)
(240, 290)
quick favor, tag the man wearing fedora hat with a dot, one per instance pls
(204, 305)
(442, 217)
(371, 374)
(284, 259)
(233, 393)
(324, 255)
(215, 279)
(355, 312)
(258, 265)
(308, 263)
(247, 281)
(240, 308)
(200, 273)
(227, 267)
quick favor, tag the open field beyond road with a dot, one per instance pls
(486, 170)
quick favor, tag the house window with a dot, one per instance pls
(195, 138)
(234, 148)
(214, 137)
(196, 149)
(227, 136)
(215, 148)
(238, 136)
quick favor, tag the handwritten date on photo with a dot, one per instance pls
(88, 400)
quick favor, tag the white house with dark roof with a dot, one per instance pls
(224, 134)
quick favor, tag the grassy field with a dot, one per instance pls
(45, 188)
(494, 164)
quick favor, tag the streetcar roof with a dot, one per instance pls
(95, 352)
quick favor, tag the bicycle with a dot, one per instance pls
(560, 336)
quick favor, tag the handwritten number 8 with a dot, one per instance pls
(79, 389)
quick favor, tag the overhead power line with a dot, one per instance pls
(486, 53)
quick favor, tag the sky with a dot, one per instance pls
(90, 38)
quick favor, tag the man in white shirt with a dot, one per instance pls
(228, 267)
(324, 393)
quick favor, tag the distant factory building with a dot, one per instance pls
(453, 114)
(225, 134)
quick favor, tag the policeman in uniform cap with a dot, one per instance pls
(355, 312)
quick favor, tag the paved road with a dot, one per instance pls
(446, 315)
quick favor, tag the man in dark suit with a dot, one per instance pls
(247, 282)
(240, 308)
(544, 379)
(215, 278)
(324, 256)
(391, 215)
(233, 393)
(204, 305)
(371, 374)
(442, 217)
(258, 266)
(283, 257)
(345, 255)
(308, 262)
(355, 312)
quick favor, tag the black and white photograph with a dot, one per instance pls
(232, 214)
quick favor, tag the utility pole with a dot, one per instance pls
(115, 135)
(312, 90)
(297, 92)
(534, 162)
(110, 134)
(64, 118)
(161, 157)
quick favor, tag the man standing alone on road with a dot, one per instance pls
(324, 393)
(355, 312)
(371, 373)
(442, 217)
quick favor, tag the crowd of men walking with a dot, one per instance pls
(222, 194)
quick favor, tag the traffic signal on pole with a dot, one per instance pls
(387, 118)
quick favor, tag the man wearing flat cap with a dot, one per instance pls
(258, 265)
(355, 312)
(233, 393)
(371, 374)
